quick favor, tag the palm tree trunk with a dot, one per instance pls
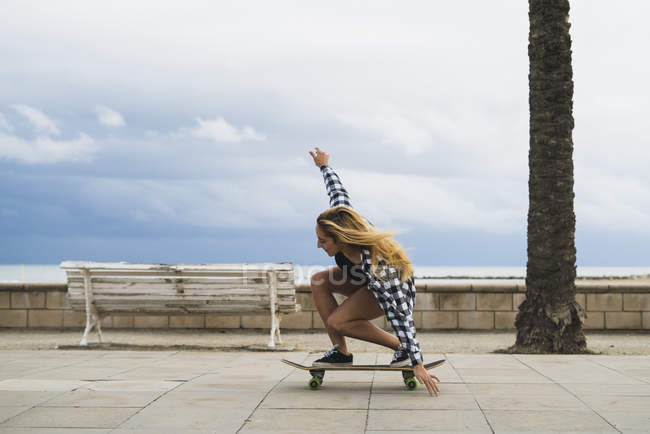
(549, 320)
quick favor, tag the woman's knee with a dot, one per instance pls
(335, 323)
(319, 281)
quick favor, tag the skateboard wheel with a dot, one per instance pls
(411, 383)
(315, 383)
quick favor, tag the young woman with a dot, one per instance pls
(375, 275)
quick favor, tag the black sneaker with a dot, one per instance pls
(400, 359)
(334, 357)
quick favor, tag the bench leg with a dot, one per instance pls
(98, 325)
(91, 312)
(93, 319)
(273, 296)
(277, 330)
(84, 338)
(274, 326)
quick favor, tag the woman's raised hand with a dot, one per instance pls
(320, 157)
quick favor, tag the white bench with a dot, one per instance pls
(100, 288)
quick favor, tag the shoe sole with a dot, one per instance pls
(332, 364)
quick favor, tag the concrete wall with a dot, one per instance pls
(440, 305)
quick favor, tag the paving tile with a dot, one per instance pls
(122, 362)
(628, 421)
(28, 384)
(133, 385)
(77, 373)
(450, 420)
(71, 417)
(196, 367)
(577, 375)
(137, 355)
(199, 392)
(187, 417)
(638, 374)
(24, 398)
(25, 367)
(44, 362)
(210, 399)
(609, 389)
(41, 430)
(547, 421)
(250, 381)
(576, 369)
(249, 375)
(285, 431)
(227, 386)
(167, 374)
(93, 398)
(11, 372)
(497, 361)
(561, 359)
(339, 396)
(422, 401)
(7, 413)
(516, 389)
(486, 375)
(617, 402)
(484, 430)
(306, 420)
(399, 388)
(530, 402)
(620, 362)
(162, 431)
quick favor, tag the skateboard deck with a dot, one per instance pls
(318, 372)
(427, 366)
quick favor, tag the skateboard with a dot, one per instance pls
(318, 372)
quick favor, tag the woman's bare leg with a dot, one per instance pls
(352, 318)
(323, 286)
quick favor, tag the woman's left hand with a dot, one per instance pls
(320, 157)
(427, 379)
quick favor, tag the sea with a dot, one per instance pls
(18, 273)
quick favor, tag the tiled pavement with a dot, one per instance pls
(227, 392)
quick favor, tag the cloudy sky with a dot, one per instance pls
(179, 131)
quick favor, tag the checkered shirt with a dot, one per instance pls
(395, 297)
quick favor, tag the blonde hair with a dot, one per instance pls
(349, 228)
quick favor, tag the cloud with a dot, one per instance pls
(219, 130)
(611, 202)
(109, 117)
(4, 124)
(438, 102)
(41, 122)
(45, 150)
(393, 129)
(427, 201)
(204, 204)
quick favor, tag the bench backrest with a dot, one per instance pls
(182, 288)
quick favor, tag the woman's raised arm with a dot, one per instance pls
(338, 194)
